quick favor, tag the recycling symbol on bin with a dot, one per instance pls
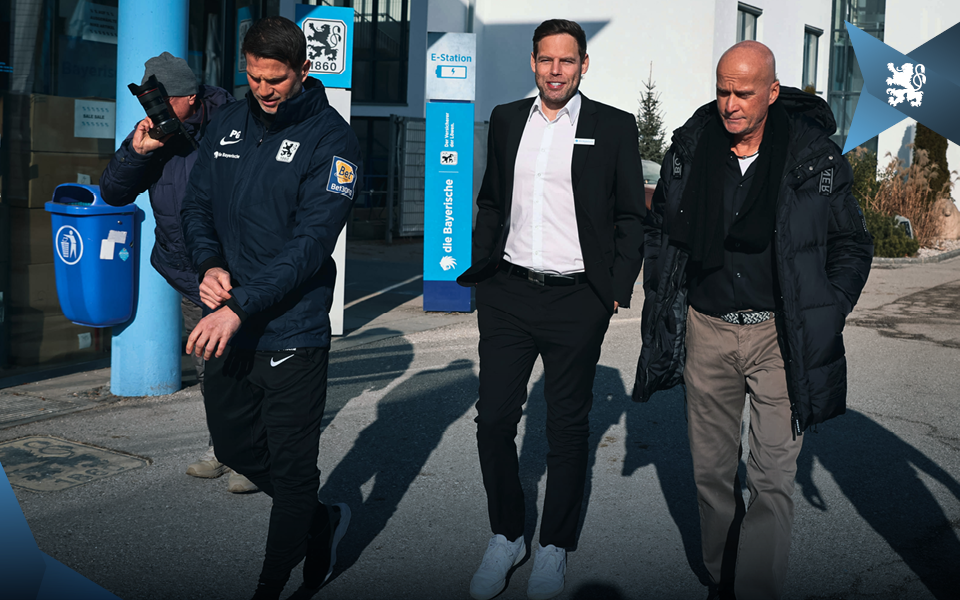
(69, 245)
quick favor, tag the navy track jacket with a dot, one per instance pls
(267, 205)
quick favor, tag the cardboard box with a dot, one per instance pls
(34, 287)
(31, 239)
(32, 177)
(41, 123)
(46, 339)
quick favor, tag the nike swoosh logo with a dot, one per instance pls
(274, 363)
(224, 142)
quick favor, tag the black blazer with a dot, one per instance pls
(607, 190)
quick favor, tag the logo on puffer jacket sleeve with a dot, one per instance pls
(343, 177)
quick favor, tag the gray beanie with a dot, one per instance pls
(174, 73)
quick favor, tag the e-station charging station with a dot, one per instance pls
(448, 167)
(329, 33)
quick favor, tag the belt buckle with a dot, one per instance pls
(535, 277)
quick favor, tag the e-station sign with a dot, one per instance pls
(329, 34)
(448, 170)
(451, 66)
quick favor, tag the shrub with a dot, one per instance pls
(865, 184)
(936, 147)
(889, 240)
(899, 190)
(906, 191)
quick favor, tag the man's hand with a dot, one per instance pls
(142, 143)
(212, 333)
(215, 288)
(616, 305)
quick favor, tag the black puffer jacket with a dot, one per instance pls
(822, 254)
(165, 172)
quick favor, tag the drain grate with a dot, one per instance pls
(50, 464)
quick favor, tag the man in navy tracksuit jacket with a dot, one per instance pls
(272, 188)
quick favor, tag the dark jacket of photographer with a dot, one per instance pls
(165, 172)
(822, 254)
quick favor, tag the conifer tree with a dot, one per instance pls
(650, 131)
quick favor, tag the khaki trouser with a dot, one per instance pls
(725, 362)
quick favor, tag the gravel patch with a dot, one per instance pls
(939, 247)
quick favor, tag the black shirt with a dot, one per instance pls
(746, 280)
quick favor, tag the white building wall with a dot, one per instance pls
(910, 24)
(684, 40)
(781, 27)
(622, 40)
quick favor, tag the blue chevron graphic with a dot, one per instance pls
(941, 92)
(26, 572)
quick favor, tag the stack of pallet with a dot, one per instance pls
(41, 151)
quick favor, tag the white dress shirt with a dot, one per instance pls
(543, 233)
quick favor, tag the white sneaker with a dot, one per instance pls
(501, 556)
(549, 567)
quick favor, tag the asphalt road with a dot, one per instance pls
(877, 499)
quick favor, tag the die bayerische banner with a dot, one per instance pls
(923, 85)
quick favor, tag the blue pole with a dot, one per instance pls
(145, 359)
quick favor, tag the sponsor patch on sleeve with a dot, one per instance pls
(343, 177)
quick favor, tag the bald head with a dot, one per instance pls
(746, 87)
(750, 57)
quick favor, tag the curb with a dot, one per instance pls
(895, 263)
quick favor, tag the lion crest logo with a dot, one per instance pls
(910, 79)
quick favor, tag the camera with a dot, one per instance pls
(155, 102)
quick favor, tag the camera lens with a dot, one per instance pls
(153, 98)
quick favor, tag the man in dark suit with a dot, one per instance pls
(558, 247)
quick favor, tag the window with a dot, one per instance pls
(747, 21)
(846, 81)
(381, 49)
(374, 135)
(811, 39)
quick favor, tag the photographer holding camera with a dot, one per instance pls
(169, 92)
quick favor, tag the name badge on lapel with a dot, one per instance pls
(583, 141)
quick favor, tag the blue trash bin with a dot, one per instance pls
(96, 255)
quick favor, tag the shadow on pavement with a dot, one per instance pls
(369, 278)
(877, 472)
(411, 420)
(366, 368)
(595, 590)
(656, 435)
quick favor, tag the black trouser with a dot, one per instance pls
(565, 325)
(264, 411)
